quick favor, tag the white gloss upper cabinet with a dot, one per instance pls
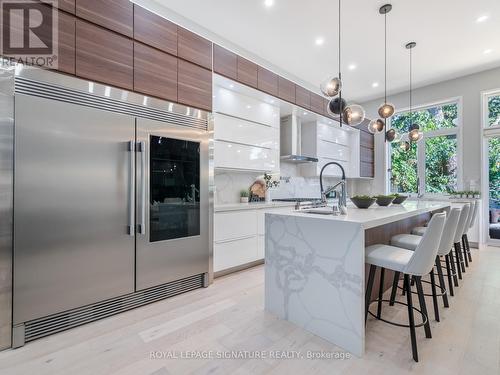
(232, 129)
(330, 143)
(245, 107)
(237, 156)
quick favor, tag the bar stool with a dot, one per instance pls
(466, 229)
(465, 238)
(411, 264)
(411, 242)
(457, 259)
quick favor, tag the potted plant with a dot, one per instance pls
(385, 200)
(477, 194)
(244, 196)
(398, 199)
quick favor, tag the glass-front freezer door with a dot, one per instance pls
(172, 203)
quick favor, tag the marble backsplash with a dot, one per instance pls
(228, 185)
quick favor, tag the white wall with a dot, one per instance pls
(469, 88)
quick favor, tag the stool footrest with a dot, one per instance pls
(424, 317)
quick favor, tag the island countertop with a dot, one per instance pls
(315, 265)
(376, 215)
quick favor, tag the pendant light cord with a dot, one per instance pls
(340, 66)
(411, 86)
(385, 58)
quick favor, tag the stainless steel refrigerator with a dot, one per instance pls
(111, 202)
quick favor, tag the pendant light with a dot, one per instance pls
(386, 110)
(414, 133)
(351, 114)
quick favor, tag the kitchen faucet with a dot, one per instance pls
(342, 184)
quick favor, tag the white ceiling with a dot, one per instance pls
(450, 43)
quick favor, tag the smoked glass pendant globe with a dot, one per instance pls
(405, 146)
(392, 135)
(386, 110)
(376, 126)
(354, 114)
(336, 106)
(331, 86)
(415, 134)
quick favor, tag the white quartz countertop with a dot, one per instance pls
(376, 215)
(251, 206)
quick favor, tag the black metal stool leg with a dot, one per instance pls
(468, 248)
(457, 260)
(434, 296)
(380, 292)
(394, 288)
(369, 287)
(449, 275)
(441, 281)
(423, 306)
(464, 250)
(452, 264)
(411, 318)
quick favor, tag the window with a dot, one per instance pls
(434, 161)
(494, 110)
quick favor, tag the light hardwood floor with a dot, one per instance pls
(229, 316)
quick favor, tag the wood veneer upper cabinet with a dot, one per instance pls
(103, 56)
(116, 15)
(317, 104)
(247, 72)
(194, 85)
(66, 44)
(302, 97)
(194, 48)
(268, 81)
(367, 170)
(286, 90)
(366, 139)
(326, 102)
(225, 62)
(66, 5)
(154, 30)
(155, 72)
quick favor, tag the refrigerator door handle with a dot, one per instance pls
(142, 148)
(131, 199)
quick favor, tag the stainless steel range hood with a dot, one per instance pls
(291, 143)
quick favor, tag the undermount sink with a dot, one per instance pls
(320, 211)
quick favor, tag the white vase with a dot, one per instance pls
(243, 199)
(268, 196)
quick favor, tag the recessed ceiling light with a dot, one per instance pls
(249, 106)
(375, 84)
(319, 41)
(231, 86)
(305, 113)
(268, 3)
(352, 67)
(487, 51)
(482, 18)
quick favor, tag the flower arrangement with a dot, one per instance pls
(272, 181)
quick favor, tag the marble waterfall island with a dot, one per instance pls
(315, 266)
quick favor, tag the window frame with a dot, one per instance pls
(456, 131)
(488, 133)
(485, 95)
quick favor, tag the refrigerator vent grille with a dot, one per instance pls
(42, 327)
(48, 91)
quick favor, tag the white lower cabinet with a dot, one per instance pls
(239, 237)
(235, 253)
